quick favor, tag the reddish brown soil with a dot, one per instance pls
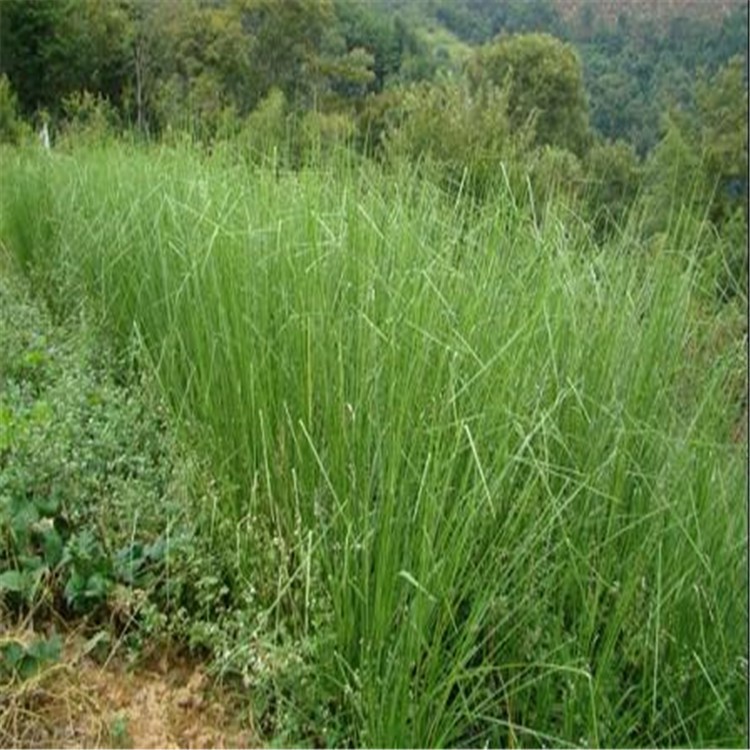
(169, 703)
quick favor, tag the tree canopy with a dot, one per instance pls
(545, 83)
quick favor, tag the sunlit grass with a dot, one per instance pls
(467, 456)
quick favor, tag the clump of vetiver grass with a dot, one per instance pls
(469, 462)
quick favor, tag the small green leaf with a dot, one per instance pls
(11, 654)
(47, 505)
(25, 515)
(129, 562)
(83, 591)
(13, 580)
(97, 586)
(53, 547)
(46, 649)
(26, 661)
(31, 563)
(34, 358)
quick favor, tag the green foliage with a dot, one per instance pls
(286, 42)
(732, 274)
(620, 107)
(320, 134)
(379, 35)
(265, 130)
(21, 661)
(636, 71)
(51, 49)
(27, 47)
(545, 85)
(696, 178)
(215, 64)
(479, 21)
(198, 68)
(205, 68)
(349, 75)
(674, 179)
(82, 459)
(467, 134)
(12, 128)
(94, 52)
(613, 174)
(555, 173)
(153, 30)
(98, 508)
(375, 117)
(89, 119)
(465, 420)
(722, 104)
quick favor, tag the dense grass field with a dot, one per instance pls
(477, 481)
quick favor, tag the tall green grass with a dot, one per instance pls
(469, 459)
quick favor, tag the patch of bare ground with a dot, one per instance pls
(165, 701)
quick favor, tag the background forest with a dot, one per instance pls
(608, 99)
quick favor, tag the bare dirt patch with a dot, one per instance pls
(167, 702)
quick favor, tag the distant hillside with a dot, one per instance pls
(660, 11)
(478, 21)
(634, 70)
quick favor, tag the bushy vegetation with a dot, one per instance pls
(99, 507)
(476, 482)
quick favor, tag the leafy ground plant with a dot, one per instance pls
(80, 455)
(94, 529)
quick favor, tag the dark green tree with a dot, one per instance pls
(50, 49)
(12, 128)
(545, 83)
(613, 175)
(31, 51)
(285, 43)
(722, 103)
(361, 26)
